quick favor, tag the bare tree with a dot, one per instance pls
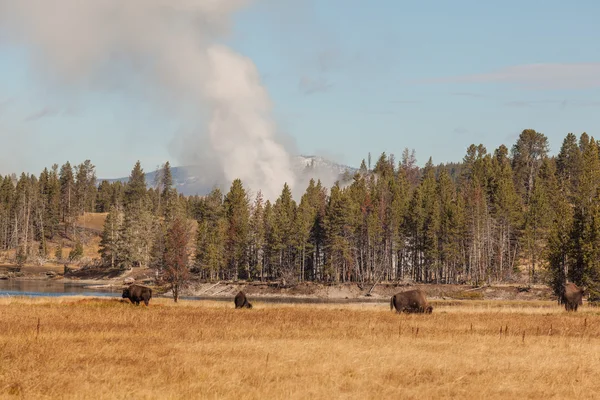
(176, 256)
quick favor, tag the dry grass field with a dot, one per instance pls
(105, 348)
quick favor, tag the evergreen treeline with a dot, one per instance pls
(470, 222)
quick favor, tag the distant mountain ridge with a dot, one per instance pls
(188, 180)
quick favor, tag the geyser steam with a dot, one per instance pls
(172, 46)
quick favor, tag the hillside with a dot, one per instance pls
(190, 180)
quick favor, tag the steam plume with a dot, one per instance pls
(171, 49)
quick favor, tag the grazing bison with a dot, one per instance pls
(137, 293)
(412, 301)
(241, 301)
(572, 296)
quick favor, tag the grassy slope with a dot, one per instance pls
(109, 349)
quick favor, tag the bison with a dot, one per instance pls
(241, 301)
(572, 296)
(412, 301)
(137, 293)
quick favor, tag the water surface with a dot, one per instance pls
(48, 288)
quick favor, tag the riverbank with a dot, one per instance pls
(111, 280)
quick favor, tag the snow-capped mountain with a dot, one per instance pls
(189, 180)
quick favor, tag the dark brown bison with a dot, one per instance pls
(241, 301)
(412, 301)
(572, 296)
(137, 293)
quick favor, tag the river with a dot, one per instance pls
(48, 288)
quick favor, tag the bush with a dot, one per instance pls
(58, 253)
(77, 252)
(21, 257)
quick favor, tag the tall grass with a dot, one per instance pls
(105, 348)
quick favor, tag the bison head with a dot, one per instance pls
(125, 293)
(429, 309)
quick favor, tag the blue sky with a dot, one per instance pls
(347, 77)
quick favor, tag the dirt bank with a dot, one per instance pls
(382, 291)
(103, 277)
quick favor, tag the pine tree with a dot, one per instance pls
(257, 237)
(85, 188)
(7, 199)
(568, 163)
(527, 155)
(136, 237)
(237, 213)
(583, 234)
(76, 252)
(67, 194)
(211, 233)
(104, 198)
(538, 217)
(284, 215)
(559, 246)
(135, 190)
(410, 168)
(505, 210)
(270, 253)
(168, 197)
(448, 250)
(110, 238)
(431, 223)
(338, 236)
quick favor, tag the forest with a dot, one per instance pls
(505, 215)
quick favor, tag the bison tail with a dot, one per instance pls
(392, 303)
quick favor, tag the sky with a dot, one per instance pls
(345, 78)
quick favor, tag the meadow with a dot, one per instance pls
(107, 348)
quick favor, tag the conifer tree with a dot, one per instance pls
(135, 190)
(431, 223)
(237, 213)
(270, 252)
(284, 214)
(211, 234)
(338, 236)
(104, 197)
(568, 163)
(448, 250)
(85, 187)
(136, 237)
(67, 193)
(169, 203)
(257, 237)
(559, 246)
(527, 155)
(506, 210)
(583, 234)
(538, 217)
(110, 238)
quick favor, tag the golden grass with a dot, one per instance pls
(105, 348)
(91, 221)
